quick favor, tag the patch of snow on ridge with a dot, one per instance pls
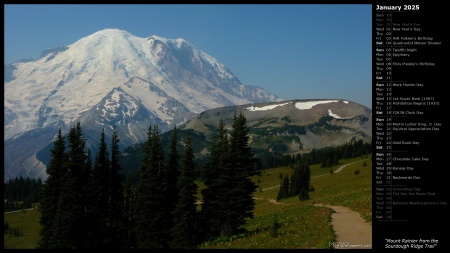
(264, 108)
(179, 42)
(345, 102)
(336, 116)
(310, 104)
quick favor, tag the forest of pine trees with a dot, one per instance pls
(297, 184)
(89, 203)
(327, 157)
(20, 193)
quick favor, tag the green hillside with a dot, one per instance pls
(285, 224)
(302, 224)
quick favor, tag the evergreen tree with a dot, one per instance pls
(88, 168)
(224, 185)
(98, 199)
(116, 222)
(128, 214)
(217, 182)
(242, 161)
(335, 159)
(185, 213)
(70, 221)
(172, 175)
(324, 163)
(151, 220)
(51, 190)
(305, 177)
(295, 185)
(228, 196)
(209, 200)
(304, 195)
(284, 188)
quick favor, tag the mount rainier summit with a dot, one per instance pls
(111, 78)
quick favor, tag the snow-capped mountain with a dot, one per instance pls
(111, 78)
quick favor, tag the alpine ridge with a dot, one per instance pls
(293, 126)
(111, 78)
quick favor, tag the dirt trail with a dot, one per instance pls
(19, 210)
(273, 201)
(351, 231)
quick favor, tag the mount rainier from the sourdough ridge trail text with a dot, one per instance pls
(111, 78)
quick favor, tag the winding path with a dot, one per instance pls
(18, 210)
(351, 231)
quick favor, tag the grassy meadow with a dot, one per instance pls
(303, 225)
(27, 222)
(288, 223)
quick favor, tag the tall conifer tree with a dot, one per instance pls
(129, 213)
(151, 219)
(242, 162)
(284, 188)
(98, 199)
(228, 196)
(70, 224)
(172, 175)
(51, 191)
(185, 214)
(213, 210)
(305, 177)
(116, 221)
(295, 185)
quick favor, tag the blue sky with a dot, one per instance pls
(301, 51)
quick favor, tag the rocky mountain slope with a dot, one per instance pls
(111, 78)
(295, 126)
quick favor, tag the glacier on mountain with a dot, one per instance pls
(167, 81)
